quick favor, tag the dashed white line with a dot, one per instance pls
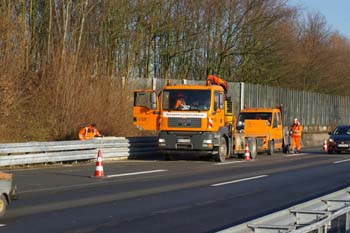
(237, 181)
(225, 163)
(135, 173)
(291, 155)
(90, 184)
(2, 225)
(342, 161)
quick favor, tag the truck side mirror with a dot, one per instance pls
(221, 101)
(154, 100)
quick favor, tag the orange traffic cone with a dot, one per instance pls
(99, 167)
(325, 146)
(246, 152)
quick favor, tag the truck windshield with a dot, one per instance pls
(182, 100)
(252, 116)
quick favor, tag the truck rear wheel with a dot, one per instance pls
(285, 148)
(221, 151)
(3, 205)
(271, 148)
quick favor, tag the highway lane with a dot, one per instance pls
(176, 196)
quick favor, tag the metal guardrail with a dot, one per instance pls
(315, 215)
(60, 151)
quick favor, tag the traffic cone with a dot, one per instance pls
(246, 152)
(325, 146)
(99, 167)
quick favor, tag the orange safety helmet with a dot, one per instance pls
(180, 95)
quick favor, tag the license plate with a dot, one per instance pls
(183, 140)
(343, 145)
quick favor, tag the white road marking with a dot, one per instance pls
(225, 163)
(291, 155)
(237, 181)
(2, 225)
(135, 173)
(89, 184)
(342, 161)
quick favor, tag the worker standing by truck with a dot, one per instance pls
(297, 128)
(89, 132)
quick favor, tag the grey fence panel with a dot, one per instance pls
(313, 109)
(46, 152)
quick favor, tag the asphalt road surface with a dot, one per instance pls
(153, 195)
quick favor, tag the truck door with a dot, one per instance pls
(146, 110)
(277, 133)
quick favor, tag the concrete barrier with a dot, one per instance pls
(313, 139)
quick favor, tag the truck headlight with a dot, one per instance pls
(208, 143)
(161, 142)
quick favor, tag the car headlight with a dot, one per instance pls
(331, 140)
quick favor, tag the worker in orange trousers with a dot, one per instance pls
(297, 128)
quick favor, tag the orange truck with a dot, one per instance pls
(265, 127)
(199, 120)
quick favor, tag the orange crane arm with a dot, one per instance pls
(214, 80)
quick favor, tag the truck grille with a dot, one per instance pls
(184, 122)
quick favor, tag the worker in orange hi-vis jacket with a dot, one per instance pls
(180, 102)
(297, 128)
(89, 132)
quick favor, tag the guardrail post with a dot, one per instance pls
(347, 223)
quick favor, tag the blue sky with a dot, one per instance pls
(336, 12)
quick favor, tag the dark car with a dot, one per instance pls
(339, 139)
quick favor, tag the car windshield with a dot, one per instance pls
(252, 116)
(345, 130)
(198, 100)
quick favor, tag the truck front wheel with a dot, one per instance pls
(252, 149)
(3, 205)
(221, 154)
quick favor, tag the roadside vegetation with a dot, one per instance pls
(65, 63)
